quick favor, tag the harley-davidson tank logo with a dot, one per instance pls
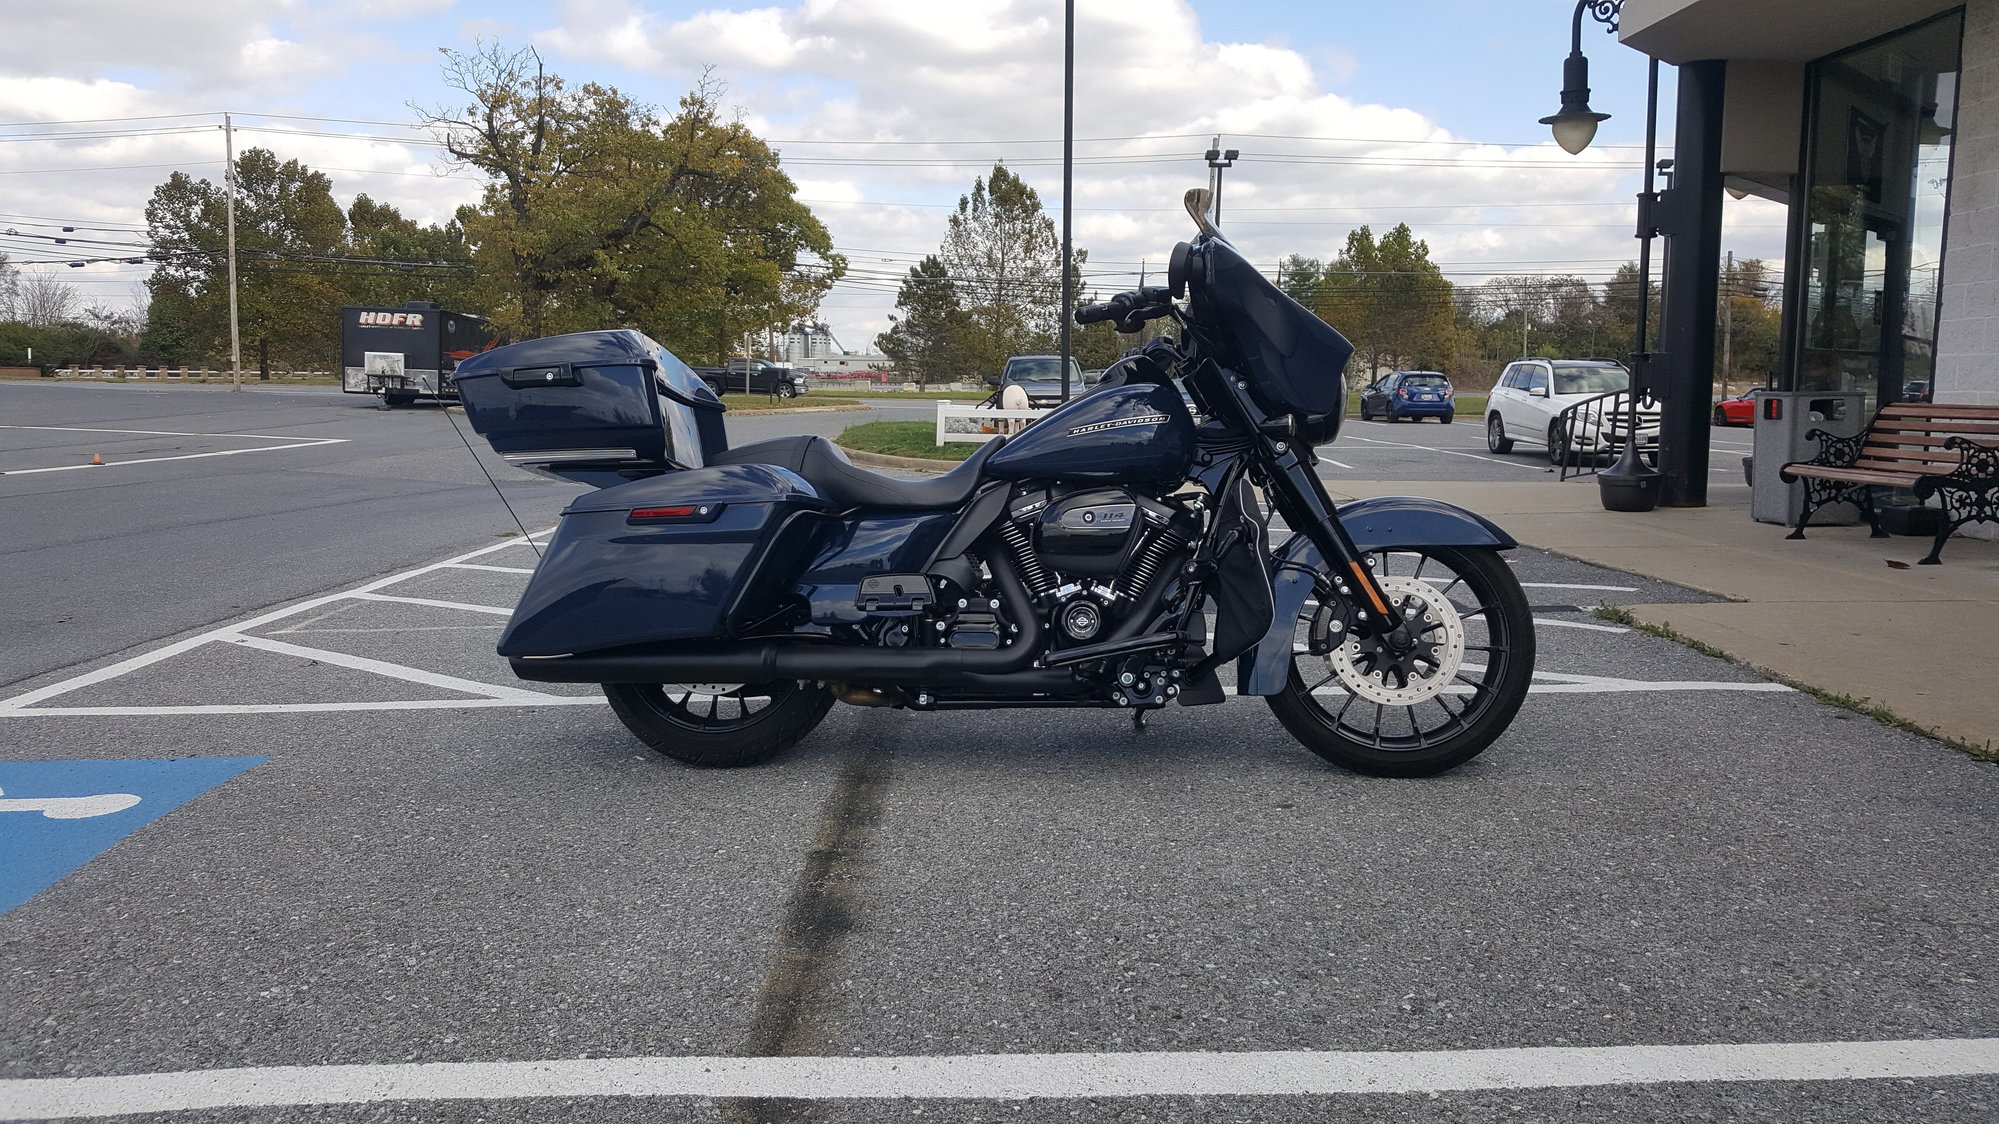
(1120, 423)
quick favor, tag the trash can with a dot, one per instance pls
(1782, 419)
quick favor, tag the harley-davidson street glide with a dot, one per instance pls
(1116, 553)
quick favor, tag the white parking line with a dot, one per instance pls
(491, 569)
(294, 443)
(1579, 624)
(391, 670)
(434, 603)
(23, 705)
(1567, 585)
(1452, 453)
(1003, 1076)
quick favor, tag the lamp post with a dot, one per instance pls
(1630, 484)
(1219, 158)
(1575, 125)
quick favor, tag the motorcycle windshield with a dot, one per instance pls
(1295, 361)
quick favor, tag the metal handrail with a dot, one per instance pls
(1598, 427)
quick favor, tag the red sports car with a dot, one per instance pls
(1735, 411)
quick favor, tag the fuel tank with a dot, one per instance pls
(1118, 434)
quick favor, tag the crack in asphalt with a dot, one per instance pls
(795, 1007)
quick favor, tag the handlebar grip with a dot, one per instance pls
(1097, 313)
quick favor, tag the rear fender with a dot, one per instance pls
(1382, 523)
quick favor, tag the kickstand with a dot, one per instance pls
(1137, 721)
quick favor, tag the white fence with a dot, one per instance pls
(958, 422)
(181, 374)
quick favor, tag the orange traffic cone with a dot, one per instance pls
(97, 458)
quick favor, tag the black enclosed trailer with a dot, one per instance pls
(407, 353)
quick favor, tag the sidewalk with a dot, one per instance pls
(1827, 612)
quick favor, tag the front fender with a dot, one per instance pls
(1386, 522)
(1382, 523)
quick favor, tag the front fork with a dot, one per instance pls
(1301, 495)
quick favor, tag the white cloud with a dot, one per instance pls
(920, 80)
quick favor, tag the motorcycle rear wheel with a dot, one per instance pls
(1385, 721)
(718, 725)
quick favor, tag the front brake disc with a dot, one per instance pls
(1369, 667)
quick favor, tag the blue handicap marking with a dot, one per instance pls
(57, 815)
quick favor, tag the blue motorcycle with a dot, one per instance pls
(1116, 553)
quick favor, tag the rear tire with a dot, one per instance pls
(395, 398)
(1448, 418)
(1496, 439)
(1476, 605)
(720, 728)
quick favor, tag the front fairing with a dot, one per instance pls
(1295, 362)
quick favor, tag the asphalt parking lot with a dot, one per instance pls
(369, 876)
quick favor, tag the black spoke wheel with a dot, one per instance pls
(719, 725)
(1428, 699)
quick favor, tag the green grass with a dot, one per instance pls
(966, 396)
(755, 403)
(1468, 407)
(1865, 707)
(904, 439)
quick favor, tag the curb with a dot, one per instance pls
(884, 460)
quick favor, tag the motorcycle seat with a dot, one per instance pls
(825, 466)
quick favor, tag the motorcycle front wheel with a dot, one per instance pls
(1426, 703)
(719, 725)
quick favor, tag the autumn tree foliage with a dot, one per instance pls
(599, 211)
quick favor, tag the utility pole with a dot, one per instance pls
(1068, 182)
(229, 208)
(1727, 323)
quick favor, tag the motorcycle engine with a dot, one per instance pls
(1088, 533)
(1088, 553)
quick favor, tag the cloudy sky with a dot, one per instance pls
(884, 111)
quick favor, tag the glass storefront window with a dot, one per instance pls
(1877, 170)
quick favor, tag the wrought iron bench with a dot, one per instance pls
(1947, 451)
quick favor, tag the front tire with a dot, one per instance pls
(1429, 710)
(1558, 443)
(719, 725)
(786, 390)
(1496, 439)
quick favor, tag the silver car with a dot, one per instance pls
(1528, 402)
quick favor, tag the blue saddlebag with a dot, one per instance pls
(705, 553)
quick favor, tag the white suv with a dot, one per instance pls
(1527, 403)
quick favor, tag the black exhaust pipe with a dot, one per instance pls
(766, 661)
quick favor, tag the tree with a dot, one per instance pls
(1748, 323)
(1385, 296)
(599, 213)
(288, 233)
(40, 300)
(927, 340)
(1004, 259)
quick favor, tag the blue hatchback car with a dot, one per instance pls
(1409, 394)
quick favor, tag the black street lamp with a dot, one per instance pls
(1575, 125)
(1218, 158)
(1630, 484)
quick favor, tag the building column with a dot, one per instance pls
(1685, 379)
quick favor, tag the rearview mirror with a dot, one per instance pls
(992, 380)
(1538, 391)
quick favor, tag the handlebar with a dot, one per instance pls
(1131, 309)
